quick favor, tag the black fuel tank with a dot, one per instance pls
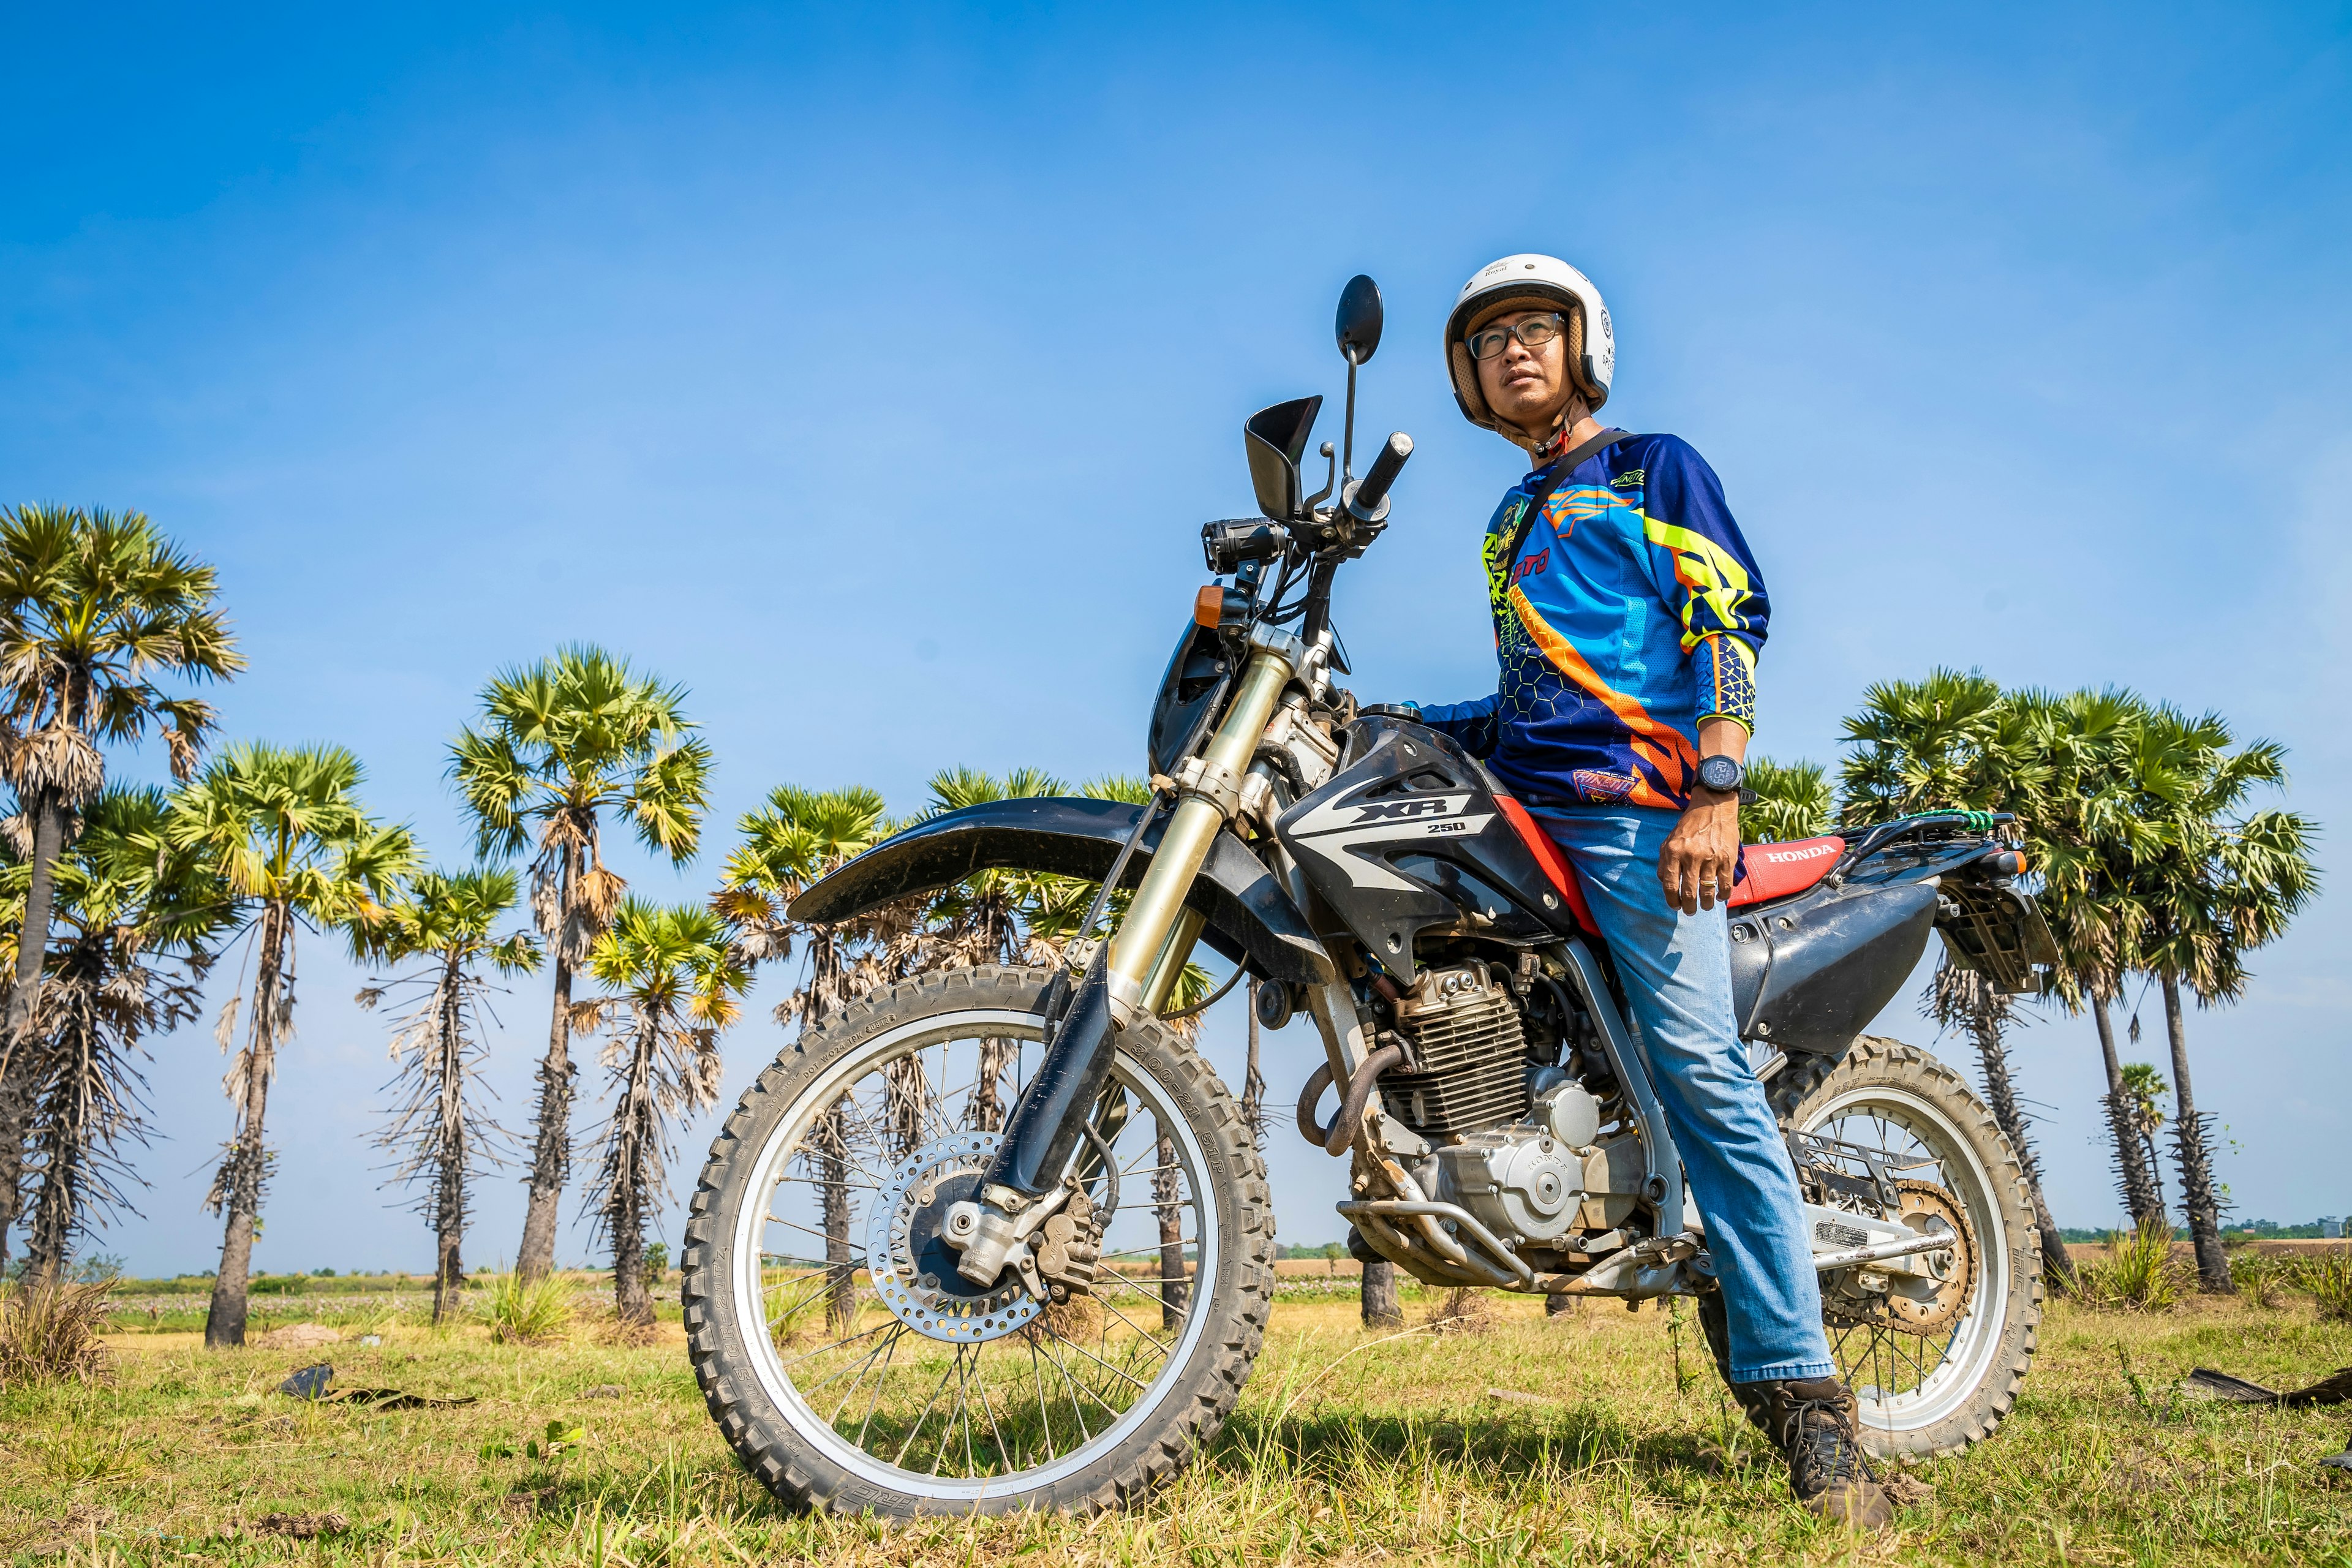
(1808, 971)
(1407, 835)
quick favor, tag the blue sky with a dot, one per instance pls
(870, 371)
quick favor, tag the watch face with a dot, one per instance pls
(1720, 773)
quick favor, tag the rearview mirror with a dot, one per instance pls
(1276, 439)
(1359, 326)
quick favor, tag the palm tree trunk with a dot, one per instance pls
(450, 1205)
(631, 1302)
(636, 1136)
(1378, 1295)
(2190, 1145)
(2057, 1267)
(17, 1045)
(551, 1155)
(1166, 1191)
(247, 1161)
(67, 1109)
(2134, 1179)
(833, 1181)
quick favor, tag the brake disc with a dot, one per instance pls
(914, 1271)
(1912, 1303)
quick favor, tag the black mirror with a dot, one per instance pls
(1359, 326)
(1276, 439)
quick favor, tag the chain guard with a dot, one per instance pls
(1911, 1305)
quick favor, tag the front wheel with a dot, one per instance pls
(850, 1365)
(1934, 1372)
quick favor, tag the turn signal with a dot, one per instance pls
(1209, 606)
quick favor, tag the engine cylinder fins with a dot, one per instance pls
(1472, 1051)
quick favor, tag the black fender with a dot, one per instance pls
(1251, 916)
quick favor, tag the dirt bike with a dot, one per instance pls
(997, 1237)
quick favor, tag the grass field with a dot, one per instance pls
(1348, 1449)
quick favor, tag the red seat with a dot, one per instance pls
(1776, 870)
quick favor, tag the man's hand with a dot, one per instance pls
(1695, 867)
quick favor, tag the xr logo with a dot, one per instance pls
(1401, 810)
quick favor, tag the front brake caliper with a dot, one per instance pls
(1069, 1245)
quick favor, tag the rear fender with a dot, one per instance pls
(1251, 920)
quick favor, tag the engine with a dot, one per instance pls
(1518, 1143)
(1472, 1050)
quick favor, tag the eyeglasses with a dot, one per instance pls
(1534, 332)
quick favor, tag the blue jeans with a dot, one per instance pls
(1677, 972)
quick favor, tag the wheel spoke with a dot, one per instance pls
(907, 1381)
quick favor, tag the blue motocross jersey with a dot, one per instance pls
(1633, 611)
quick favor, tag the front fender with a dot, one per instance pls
(1251, 916)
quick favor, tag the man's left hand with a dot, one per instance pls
(1697, 865)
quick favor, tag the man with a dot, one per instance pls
(1628, 616)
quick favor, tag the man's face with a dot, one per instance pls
(1526, 387)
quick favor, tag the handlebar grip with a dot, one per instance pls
(1369, 495)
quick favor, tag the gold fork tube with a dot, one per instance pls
(1169, 967)
(1135, 947)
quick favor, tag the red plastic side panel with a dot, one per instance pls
(1776, 870)
(1555, 863)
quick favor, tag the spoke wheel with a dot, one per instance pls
(1935, 1365)
(849, 1364)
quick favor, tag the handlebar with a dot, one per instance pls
(1368, 498)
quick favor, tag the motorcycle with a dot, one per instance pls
(998, 1238)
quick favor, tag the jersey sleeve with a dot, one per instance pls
(1705, 574)
(1471, 725)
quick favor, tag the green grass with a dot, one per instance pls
(1397, 1453)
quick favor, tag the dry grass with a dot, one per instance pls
(50, 1333)
(2136, 1273)
(2328, 1277)
(528, 1312)
(1533, 1443)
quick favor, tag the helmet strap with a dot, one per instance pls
(1553, 441)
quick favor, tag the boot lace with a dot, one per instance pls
(1824, 1444)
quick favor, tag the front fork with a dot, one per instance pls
(1131, 974)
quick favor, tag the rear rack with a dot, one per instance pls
(1918, 824)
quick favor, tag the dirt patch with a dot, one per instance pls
(300, 1526)
(1468, 1310)
(298, 1337)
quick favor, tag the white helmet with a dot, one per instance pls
(1526, 283)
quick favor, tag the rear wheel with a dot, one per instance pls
(1935, 1374)
(850, 1365)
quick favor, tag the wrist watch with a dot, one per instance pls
(1722, 774)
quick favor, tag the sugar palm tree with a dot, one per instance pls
(1954, 741)
(2226, 882)
(94, 605)
(557, 746)
(2088, 842)
(2144, 1090)
(674, 981)
(979, 919)
(798, 836)
(440, 1134)
(1793, 800)
(130, 935)
(284, 829)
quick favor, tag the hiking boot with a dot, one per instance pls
(1814, 1423)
